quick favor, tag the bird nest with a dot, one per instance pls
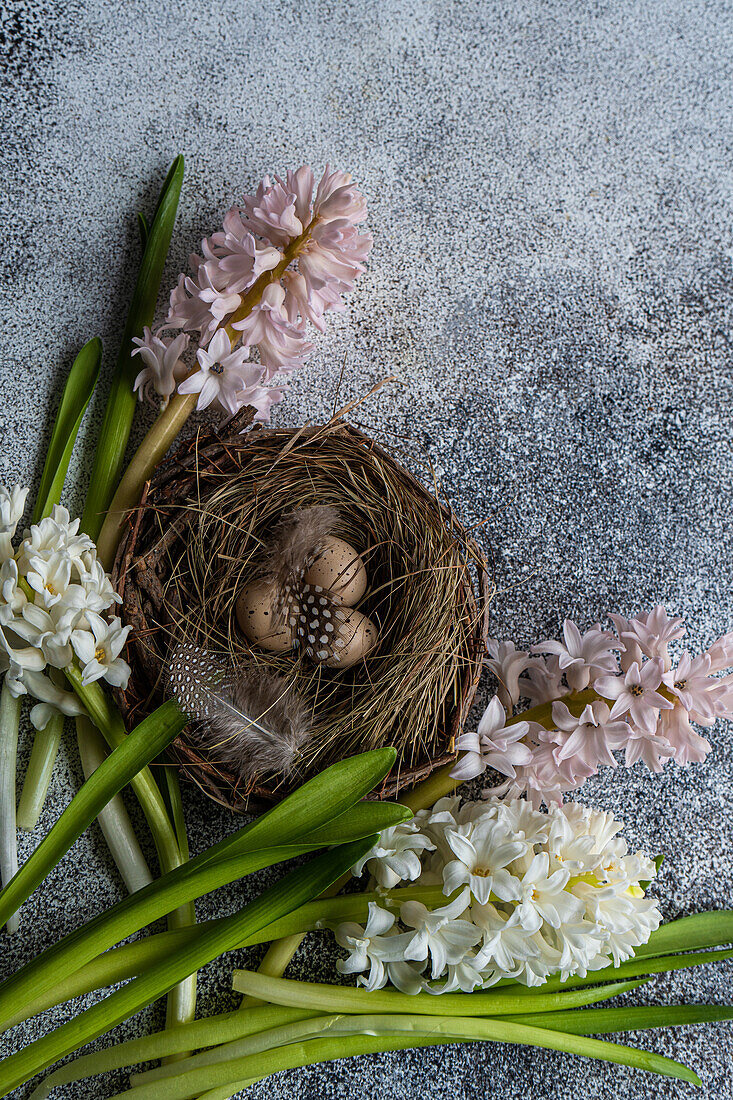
(196, 539)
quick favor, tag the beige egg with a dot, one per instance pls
(339, 569)
(359, 636)
(258, 621)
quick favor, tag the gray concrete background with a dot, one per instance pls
(550, 192)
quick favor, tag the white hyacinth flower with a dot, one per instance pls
(370, 947)
(538, 894)
(12, 504)
(99, 651)
(440, 934)
(396, 856)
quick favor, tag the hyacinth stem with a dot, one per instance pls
(9, 724)
(165, 429)
(46, 744)
(181, 1001)
(198, 1034)
(113, 819)
(131, 959)
(108, 721)
(146, 458)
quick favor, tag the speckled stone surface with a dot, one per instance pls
(550, 193)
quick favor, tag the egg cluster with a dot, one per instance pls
(314, 611)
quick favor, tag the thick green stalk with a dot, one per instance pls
(46, 744)
(142, 745)
(108, 721)
(119, 412)
(9, 723)
(334, 998)
(130, 959)
(191, 1036)
(150, 452)
(338, 1037)
(114, 821)
(181, 1004)
(47, 971)
(290, 892)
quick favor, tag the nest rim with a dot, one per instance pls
(136, 574)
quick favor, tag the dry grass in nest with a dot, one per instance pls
(198, 537)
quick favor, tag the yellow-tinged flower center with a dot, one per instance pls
(99, 654)
(636, 689)
(50, 588)
(483, 872)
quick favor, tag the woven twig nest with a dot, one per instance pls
(196, 539)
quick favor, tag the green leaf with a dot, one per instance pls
(361, 820)
(74, 400)
(115, 432)
(292, 891)
(141, 746)
(335, 998)
(605, 1021)
(144, 228)
(698, 931)
(209, 1032)
(306, 810)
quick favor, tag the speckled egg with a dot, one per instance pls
(357, 636)
(258, 621)
(339, 569)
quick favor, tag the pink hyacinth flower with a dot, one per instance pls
(270, 213)
(688, 747)
(588, 741)
(635, 694)
(581, 654)
(693, 685)
(492, 745)
(507, 665)
(652, 632)
(721, 653)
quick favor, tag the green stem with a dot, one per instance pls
(113, 819)
(289, 893)
(332, 1037)
(196, 1035)
(130, 959)
(333, 998)
(324, 798)
(9, 724)
(46, 744)
(150, 452)
(181, 1003)
(108, 721)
